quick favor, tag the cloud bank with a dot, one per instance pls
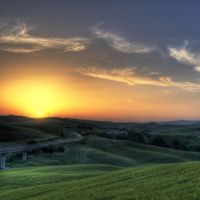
(128, 76)
(17, 38)
(119, 43)
(182, 55)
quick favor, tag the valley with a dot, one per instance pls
(100, 165)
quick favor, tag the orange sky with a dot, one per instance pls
(59, 92)
(108, 60)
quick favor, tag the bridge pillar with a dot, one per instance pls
(3, 160)
(24, 156)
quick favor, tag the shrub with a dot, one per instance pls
(61, 149)
(31, 142)
(196, 148)
(61, 135)
(48, 149)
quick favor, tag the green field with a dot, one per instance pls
(104, 169)
(98, 150)
(97, 167)
(88, 182)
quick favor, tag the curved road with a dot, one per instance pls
(40, 145)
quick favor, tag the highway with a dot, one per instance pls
(39, 145)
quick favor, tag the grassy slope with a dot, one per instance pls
(174, 181)
(34, 176)
(48, 128)
(169, 181)
(97, 150)
(19, 131)
(16, 130)
(21, 134)
(138, 153)
(98, 181)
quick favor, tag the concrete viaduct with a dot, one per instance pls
(27, 148)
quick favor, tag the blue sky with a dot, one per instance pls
(145, 51)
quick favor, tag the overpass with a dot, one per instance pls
(27, 148)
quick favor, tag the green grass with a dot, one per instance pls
(177, 130)
(132, 154)
(34, 176)
(16, 130)
(99, 168)
(22, 129)
(97, 150)
(94, 182)
(15, 135)
(103, 169)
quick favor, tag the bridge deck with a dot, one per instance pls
(34, 146)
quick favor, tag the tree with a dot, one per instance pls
(61, 149)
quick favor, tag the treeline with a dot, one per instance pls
(179, 142)
(168, 141)
(52, 149)
(45, 128)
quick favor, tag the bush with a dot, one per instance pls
(48, 149)
(62, 135)
(196, 148)
(158, 141)
(31, 142)
(61, 149)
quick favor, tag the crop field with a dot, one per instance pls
(98, 167)
(97, 150)
(88, 182)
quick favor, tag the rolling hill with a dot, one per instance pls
(93, 182)
(97, 167)
(98, 150)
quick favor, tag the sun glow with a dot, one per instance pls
(34, 93)
(39, 112)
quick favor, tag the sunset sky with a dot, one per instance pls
(116, 60)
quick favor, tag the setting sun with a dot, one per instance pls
(92, 87)
(92, 70)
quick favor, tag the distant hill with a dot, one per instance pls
(94, 182)
(97, 167)
(12, 118)
(179, 122)
(98, 150)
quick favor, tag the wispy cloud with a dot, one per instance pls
(167, 91)
(18, 49)
(13, 38)
(128, 76)
(120, 43)
(153, 73)
(182, 55)
(2, 24)
(193, 87)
